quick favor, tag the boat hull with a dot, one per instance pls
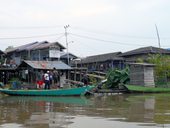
(56, 92)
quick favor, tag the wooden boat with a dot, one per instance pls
(142, 89)
(53, 92)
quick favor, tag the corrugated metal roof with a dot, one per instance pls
(102, 57)
(19, 48)
(46, 44)
(47, 65)
(146, 50)
(34, 46)
(64, 55)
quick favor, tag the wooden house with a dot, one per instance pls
(36, 51)
(31, 71)
(142, 53)
(64, 57)
(102, 62)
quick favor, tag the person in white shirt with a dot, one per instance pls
(47, 80)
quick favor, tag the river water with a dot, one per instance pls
(116, 111)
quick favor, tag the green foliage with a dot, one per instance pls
(92, 80)
(162, 66)
(15, 83)
(2, 61)
(116, 77)
(14, 79)
(140, 60)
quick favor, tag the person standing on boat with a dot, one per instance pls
(85, 79)
(51, 78)
(40, 80)
(47, 80)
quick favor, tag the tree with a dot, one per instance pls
(162, 66)
(116, 78)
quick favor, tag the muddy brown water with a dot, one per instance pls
(116, 111)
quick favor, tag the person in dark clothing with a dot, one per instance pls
(85, 79)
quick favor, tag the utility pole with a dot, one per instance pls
(159, 43)
(65, 27)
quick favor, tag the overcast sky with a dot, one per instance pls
(96, 26)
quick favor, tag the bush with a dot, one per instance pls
(116, 78)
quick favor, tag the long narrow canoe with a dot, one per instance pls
(142, 89)
(53, 92)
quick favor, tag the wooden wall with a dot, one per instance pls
(141, 75)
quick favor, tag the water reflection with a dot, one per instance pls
(125, 111)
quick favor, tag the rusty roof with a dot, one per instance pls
(49, 65)
(34, 46)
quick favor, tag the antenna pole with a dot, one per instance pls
(65, 27)
(159, 43)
